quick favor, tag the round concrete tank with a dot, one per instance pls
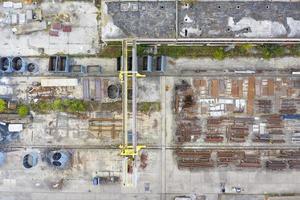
(5, 64)
(31, 67)
(30, 160)
(60, 159)
(114, 91)
(2, 158)
(18, 64)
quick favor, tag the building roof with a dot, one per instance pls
(15, 127)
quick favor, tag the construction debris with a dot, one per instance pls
(105, 127)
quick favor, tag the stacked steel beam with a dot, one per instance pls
(264, 106)
(288, 106)
(276, 164)
(251, 161)
(225, 158)
(189, 158)
(214, 132)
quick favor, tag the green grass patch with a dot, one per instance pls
(265, 51)
(146, 107)
(111, 51)
(111, 106)
(23, 110)
(219, 54)
(142, 50)
(67, 105)
(3, 105)
(187, 51)
(272, 50)
(294, 50)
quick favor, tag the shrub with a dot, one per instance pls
(74, 106)
(57, 104)
(146, 107)
(245, 48)
(219, 54)
(295, 50)
(67, 105)
(2, 105)
(23, 111)
(272, 50)
(44, 106)
(189, 1)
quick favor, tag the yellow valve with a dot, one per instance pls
(128, 151)
(129, 74)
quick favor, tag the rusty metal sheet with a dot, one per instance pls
(214, 88)
(250, 95)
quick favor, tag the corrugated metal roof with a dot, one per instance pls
(15, 127)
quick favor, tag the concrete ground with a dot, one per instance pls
(83, 39)
(160, 179)
(78, 180)
(151, 19)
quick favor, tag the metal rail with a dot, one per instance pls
(156, 147)
(125, 92)
(134, 95)
(213, 40)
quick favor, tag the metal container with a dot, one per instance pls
(114, 91)
(5, 64)
(60, 159)
(30, 160)
(31, 67)
(18, 64)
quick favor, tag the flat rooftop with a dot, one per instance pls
(224, 19)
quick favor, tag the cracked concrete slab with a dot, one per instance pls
(201, 19)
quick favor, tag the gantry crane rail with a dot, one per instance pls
(129, 152)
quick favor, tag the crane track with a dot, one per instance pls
(224, 41)
(174, 147)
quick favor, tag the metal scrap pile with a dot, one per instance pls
(271, 130)
(188, 128)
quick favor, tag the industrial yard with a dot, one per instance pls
(105, 100)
